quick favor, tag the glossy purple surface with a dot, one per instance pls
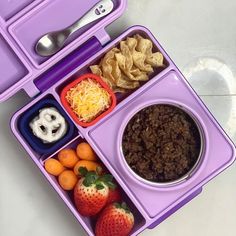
(23, 69)
(53, 12)
(176, 208)
(43, 17)
(62, 68)
(154, 204)
(10, 8)
(12, 69)
(217, 154)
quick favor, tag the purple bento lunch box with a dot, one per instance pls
(22, 23)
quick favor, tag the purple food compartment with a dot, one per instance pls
(56, 15)
(218, 152)
(35, 142)
(13, 69)
(88, 223)
(10, 8)
(154, 203)
(96, 58)
(33, 145)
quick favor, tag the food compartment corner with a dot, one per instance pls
(13, 69)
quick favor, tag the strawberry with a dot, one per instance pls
(116, 220)
(91, 192)
(114, 196)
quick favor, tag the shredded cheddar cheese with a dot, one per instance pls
(88, 100)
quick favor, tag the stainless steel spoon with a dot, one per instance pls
(53, 42)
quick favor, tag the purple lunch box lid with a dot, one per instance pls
(19, 71)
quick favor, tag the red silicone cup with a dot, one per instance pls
(71, 112)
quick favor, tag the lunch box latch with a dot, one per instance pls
(103, 36)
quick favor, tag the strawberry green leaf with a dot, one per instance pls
(123, 206)
(99, 186)
(111, 185)
(117, 205)
(106, 178)
(86, 183)
(90, 178)
(83, 171)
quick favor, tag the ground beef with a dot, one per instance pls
(161, 143)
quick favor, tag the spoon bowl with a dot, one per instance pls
(52, 43)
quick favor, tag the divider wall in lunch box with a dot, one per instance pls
(151, 202)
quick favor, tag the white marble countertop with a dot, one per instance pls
(200, 38)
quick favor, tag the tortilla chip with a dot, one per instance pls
(156, 60)
(144, 46)
(139, 61)
(122, 68)
(96, 70)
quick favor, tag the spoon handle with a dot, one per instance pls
(101, 9)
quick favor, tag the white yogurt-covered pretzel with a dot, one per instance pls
(49, 126)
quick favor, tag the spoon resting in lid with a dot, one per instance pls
(52, 42)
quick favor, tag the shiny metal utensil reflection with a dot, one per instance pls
(53, 42)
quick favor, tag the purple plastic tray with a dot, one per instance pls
(23, 22)
(151, 204)
(9, 59)
(14, 68)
